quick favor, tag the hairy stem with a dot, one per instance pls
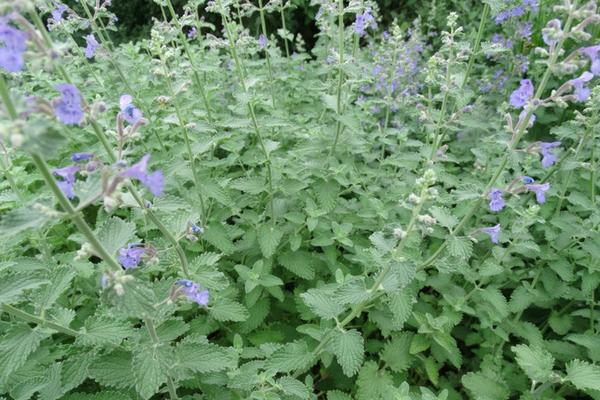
(338, 125)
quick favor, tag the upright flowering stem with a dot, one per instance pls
(285, 41)
(338, 126)
(156, 341)
(100, 31)
(513, 144)
(196, 77)
(264, 32)
(186, 137)
(251, 110)
(4, 93)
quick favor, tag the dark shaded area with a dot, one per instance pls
(135, 17)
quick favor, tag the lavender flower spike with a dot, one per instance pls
(68, 106)
(154, 181)
(91, 46)
(581, 92)
(521, 96)
(131, 113)
(539, 190)
(546, 150)
(496, 200)
(494, 232)
(192, 33)
(363, 22)
(68, 179)
(262, 41)
(131, 256)
(194, 292)
(592, 53)
(78, 157)
(13, 43)
(57, 14)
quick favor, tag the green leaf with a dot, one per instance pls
(269, 237)
(104, 395)
(322, 303)
(114, 369)
(291, 357)
(115, 233)
(327, 193)
(61, 280)
(348, 347)
(583, 375)
(443, 217)
(228, 310)
(216, 235)
(396, 353)
(100, 331)
(252, 185)
(294, 387)
(373, 384)
(460, 247)
(150, 370)
(299, 263)
(401, 306)
(535, 361)
(337, 395)
(205, 357)
(12, 286)
(484, 387)
(21, 219)
(16, 346)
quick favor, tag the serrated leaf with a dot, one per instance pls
(443, 217)
(396, 352)
(373, 384)
(348, 347)
(101, 331)
(21, 219)
(327, 193)
(460, 247)
(298, 262)
(18, 343)
(484, 387)
(61, 280)
(322, 303)
(12, 286)
(228, 310)
(216, 235)
(205, 357)
(114, 370)
(401, 307)
(252, 185)
(150, 372)
(269, 237)
(294, 387)
(293, 356)
(535, 361)
(583, 375)
(115, 233)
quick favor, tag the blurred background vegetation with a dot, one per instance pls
(135, 16)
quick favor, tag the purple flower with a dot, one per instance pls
(91, 46)
(546, 150)
(68, 179)
(592, 53)
(78, 157)
(523, 114)
(131, 113)
(363, 22)
(14, 43)
(527, 179)
(57, 14)
(496, 200)
(192, 33)
(539, 190)
(531, 4)
(131, 256)
(520, 96)
(517, 11)
(262, 41)
(68, 106)
(552, 25)
(386, 35)
(493, 231)
(154, 181)
(581, 92)
(502, 16)
(524, 30)
(196, 229)
(194, 292)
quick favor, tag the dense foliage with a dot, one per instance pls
(402, 212)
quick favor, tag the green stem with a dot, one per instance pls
(156, 341)
(252, 112)
(188, 146)
(25, 316)
(338, 126)
(196, 77)
(5, 94)
(285, 41)
(264, 32)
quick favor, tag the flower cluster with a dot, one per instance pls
(132, 255)
(153, 181)
(363, 22)
(68, 107)
(13, 43)
(194, 291)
